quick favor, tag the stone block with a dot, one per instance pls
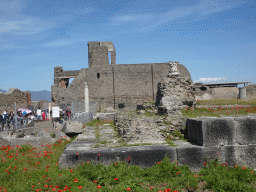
(246, 130)
(212, 131)
(73, 127)
(195, 156)
(143, 156)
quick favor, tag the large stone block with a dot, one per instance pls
(196, 156)
(73, 127)
(212, 131)
(143, 156)
(246, 130)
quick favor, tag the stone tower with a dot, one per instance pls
(98, 53)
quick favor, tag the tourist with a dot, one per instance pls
(43, 115)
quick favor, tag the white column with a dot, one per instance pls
(86, 97)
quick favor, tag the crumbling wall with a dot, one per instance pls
(173, 94)
(98, 53)
(7, 100)
(133, 83)
(114, 85)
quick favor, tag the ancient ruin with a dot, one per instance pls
(7, 100)
(116, 85)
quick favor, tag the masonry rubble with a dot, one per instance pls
(174, 93)
(39, 133)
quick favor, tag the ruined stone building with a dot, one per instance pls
(7, 100)
(117, 85)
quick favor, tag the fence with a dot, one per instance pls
(9, 125)
(79, 113)
(79, 107)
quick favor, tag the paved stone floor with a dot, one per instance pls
(106, 137)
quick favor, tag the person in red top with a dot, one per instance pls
(43, 115)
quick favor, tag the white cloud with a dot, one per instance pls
(211, 79)
(24, 26)
(199, 11)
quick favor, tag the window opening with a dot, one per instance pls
(109, 57)
(121, 105)
(98, 75)
(70, 81)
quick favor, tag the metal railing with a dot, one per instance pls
(9, 125)
(79, 107)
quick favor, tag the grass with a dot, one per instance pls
(96, 124)
(218, 111)
(24, 168)
(227, 102)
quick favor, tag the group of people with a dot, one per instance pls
(63, 115)
(8, 118)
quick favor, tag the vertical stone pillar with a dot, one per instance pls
(242, 93)
(86, 97)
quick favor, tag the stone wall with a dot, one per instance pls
(119, 84)
(173, 94)
(115, 85)
(251, 91)
(7, 100)
(225, 93)
(206, 93)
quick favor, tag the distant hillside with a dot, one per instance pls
(3, 91)
(41, 95)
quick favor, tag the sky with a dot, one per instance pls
(213, 39)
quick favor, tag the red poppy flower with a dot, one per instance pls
(151, 188)
(99, 154)
(116, 179)
(128, 189)
(33, 186)
(87, 161)
(95, 181)
(243, 167)
(168, 189)
(205, 163)
(75, 180)
(77, 153)
(71, 171)
(80, 187)
(98, 187)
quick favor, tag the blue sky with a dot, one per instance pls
(214, 39)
